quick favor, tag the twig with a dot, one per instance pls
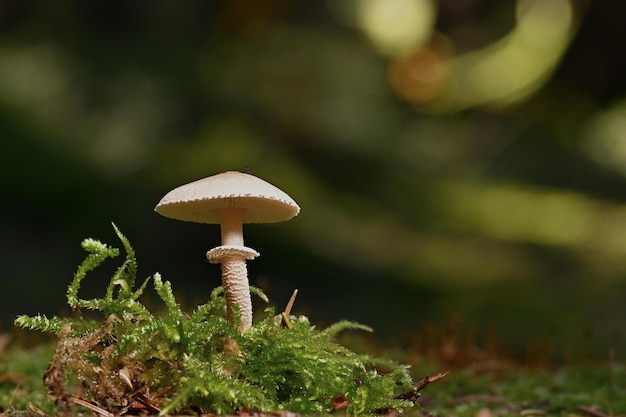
(92, 407)
(35, 410)
(429, 379)
(153, 408)
(413, 394)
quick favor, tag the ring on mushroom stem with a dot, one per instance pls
(230, 199)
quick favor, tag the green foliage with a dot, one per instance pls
(197, 362)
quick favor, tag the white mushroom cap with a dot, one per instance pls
(201, 201)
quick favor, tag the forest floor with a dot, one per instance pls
(481, 382)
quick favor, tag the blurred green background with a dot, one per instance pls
(462, 158)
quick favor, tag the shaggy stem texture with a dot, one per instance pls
(237, 292)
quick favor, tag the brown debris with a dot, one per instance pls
(339, 402)
(113, 387)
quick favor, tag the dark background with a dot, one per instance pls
(428, 188)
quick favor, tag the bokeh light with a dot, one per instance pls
(498, 75)
(397, 26)
(604, 137)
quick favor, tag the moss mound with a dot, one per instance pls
(132, 361)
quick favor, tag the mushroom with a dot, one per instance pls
(230, 199)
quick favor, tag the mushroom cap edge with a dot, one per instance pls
(200, 201)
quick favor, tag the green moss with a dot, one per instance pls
(20, 379)
(183, 362)
(560, 392)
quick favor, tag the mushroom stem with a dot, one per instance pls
(237, 291)
(235, 281)
(231, 226)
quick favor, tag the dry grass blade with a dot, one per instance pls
(285, 314)
(98, 410)
(35, 410)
